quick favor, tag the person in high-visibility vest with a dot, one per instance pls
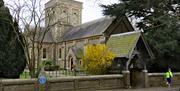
(169, 76)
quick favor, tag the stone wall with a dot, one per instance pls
(176, 79)
(158, 79)
(87, 83)
(18, 85)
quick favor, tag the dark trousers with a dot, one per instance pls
(169, 80)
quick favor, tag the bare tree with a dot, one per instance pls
(30, 15)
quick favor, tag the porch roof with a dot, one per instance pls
(123, 44)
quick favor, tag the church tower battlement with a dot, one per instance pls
(62, 14)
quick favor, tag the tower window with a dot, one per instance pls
(80, 62)
(44, 53)
(64, 11)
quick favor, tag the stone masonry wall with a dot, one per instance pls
(84, 83)
(158, 79)
(87, 83)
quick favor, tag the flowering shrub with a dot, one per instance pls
(97, 58)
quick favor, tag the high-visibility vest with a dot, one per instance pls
(168, 74)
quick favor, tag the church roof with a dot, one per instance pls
(78, 52)
(48, 37)
(123, 44)
(40, 34)
(93, 28)
(78, 49)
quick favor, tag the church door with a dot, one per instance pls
(71, 63)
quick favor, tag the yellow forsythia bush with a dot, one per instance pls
(97, 58)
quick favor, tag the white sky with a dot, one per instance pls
(91, 9)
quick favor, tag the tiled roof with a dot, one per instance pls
(78, 52)
(96, 27)
(123, 44)
(78, 49)
(47, 37)
(40, 34)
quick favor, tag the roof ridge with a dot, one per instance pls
(95, 20)
(95, 27)
(127, 33)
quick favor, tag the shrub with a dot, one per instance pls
(48, 65)
(97, 58)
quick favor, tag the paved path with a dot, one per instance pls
(147, 89)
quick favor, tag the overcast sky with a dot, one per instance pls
(91, 9)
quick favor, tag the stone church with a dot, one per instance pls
(64, 43)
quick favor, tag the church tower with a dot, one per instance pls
(62, 14)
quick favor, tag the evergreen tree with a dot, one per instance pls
(160, 21)
(12, 56)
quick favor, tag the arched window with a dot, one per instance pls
(72, 63)
(60, 53)
(80, 62)
(44, 53)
